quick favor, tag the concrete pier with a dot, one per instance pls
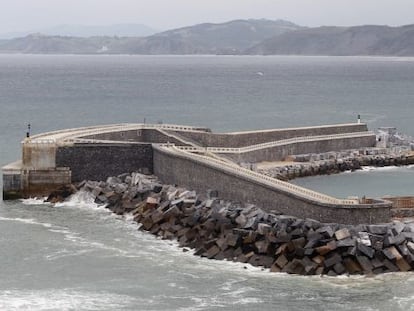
(194, 157)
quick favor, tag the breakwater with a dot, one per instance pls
(178, 155)
(220, 230)
(335, 162)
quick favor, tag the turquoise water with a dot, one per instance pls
(80, 257)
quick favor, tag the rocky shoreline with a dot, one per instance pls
(336, 162)
(224, 230)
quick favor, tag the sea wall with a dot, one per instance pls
(98, 161)
(335, 164)
(219, 230)
(190, 173)
(277, 153)
(243, 139)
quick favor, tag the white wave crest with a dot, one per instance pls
(62, 300)
(30, 221)
(35, 201)
(83, 199)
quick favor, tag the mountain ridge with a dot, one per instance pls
(237, 37)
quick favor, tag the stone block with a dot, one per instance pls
(403, 265)
(263, 229)
(241, 220)
(342, 234)
(364, 238)
(262, 246)
(352, 266)
(232, 239)
(390, 266)
(332, 260)
(397, 227)
(265, 261)
(365, 263)
(299, 242)
(212, 251)
(410, 246)
(294, 267)
(366, 250)
(392, 253)
(394, 240)
(309, 265)
(275, 268)
(327, 231)
(347, 242)
(325, 249)
(339, 268)
(378, 229)
(283, 237)
(281, 261)
(318, 259)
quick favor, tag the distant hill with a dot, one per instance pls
(225, 38)
(238, 37)
(120, 30)
(42, 44)
(359, 40)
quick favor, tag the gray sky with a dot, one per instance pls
(19, 15)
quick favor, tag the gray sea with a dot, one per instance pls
(78, 256)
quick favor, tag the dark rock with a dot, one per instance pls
(378, 229)
(294, 267)
(339, 268)
(403, 265)
(365, 263)
(394, 240)
(327, 231)
(348, 242)
(390, 266)
(366, 250)
(332, 260)
(61, 194)
(281, 261)
(352, 266)
(392, 253)
(212, 251)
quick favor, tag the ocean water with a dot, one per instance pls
(78, 256)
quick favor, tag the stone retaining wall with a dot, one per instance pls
(278, 153)
(243, 139)
(99, 161)
(173, 169)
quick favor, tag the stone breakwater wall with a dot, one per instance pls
(332, 163)
(175, 168)
(219, 229)
(278, 153)
(248, 138)
(98, 161)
